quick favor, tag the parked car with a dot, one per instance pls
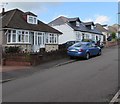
(83, 49)
(109, 38)
(68, 44)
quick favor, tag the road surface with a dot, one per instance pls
(93, 80)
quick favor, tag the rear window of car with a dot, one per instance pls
(79, 45)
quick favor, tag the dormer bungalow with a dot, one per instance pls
(23, 29)
(74, 29)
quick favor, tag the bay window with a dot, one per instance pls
(14, 38)
(51, 38)
(17, 36)
(9, 38)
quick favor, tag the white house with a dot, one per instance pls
(23, 29)
(74, 29)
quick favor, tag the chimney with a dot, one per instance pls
(3, 10)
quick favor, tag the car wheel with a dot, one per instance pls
(87, 56)
(100, 52)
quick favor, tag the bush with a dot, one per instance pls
(113, 35)
(118, 39)
(12, 49)
(87, 40)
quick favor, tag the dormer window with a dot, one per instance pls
(31, 19)
(77, 23)
(92, 27)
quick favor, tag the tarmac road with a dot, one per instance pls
(93, 80)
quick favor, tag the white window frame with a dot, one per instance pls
(33, 19)
(18, 33)
(77, 23)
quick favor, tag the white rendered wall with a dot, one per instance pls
(68, 33)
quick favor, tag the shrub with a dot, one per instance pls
(86, 40)
(113, 35)
(12, 49)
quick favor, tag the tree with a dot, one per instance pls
(113, 35)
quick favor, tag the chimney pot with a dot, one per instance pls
(3, 10)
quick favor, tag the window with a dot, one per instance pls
(31, 19)
(43, 38)
(55, 38)
(46, 38)
(19, 37)
(26, 38)
(92, 27)
(9, 37)
(35, 20)
(52, 38)
(14, 38)
(78, 36)
(77, 23)
(87, 36)
(36, 39)
(39, 39)
(83, 36)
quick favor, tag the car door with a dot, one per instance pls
(90, 49)
(94, 49)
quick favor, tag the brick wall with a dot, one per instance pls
(26, 59)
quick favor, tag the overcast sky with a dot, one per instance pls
(99, 12)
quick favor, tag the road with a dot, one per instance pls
(93, 80)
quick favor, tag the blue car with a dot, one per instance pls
(83, 49)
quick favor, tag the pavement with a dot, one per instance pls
(13, 72)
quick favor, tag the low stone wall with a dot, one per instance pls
(27, 59)
(110, 44)
(47, 56)
(16, 59)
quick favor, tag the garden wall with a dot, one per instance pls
(27, 59)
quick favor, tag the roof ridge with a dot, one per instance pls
(11, 17)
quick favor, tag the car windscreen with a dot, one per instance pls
(79, 45)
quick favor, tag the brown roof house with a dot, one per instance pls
(104, 30)
(25, 30)
(114, 28)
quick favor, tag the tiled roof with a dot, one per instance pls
(30, 13)
(17, 19)
(89, 23)
(100, 28)
(62, 20)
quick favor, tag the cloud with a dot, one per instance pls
(102, 19)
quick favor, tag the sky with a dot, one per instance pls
(98, 12)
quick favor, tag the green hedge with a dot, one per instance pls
(12, 49)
